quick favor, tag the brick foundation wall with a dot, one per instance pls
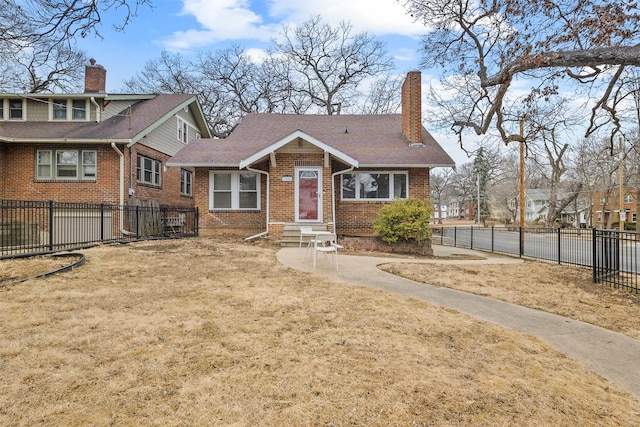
(3, 170)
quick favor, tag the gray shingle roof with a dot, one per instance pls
(122, 127)
(372, 140)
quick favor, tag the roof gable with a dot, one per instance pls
(292, 137)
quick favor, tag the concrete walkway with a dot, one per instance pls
(612, 355)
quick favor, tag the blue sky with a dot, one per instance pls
(192, 26)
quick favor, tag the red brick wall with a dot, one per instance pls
(247, 222)
(95, 78)
(169, 192)
(355, 218)
(18, 177)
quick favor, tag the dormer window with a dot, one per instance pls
(60, 110)
(79, 111)
(15, 109)
(68, 109)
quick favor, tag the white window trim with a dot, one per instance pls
(154, 162)
(235, 190)
(391, 184)
(53, 167)
(6, 113)
(182, 130)
(190, 186)
(69, 109)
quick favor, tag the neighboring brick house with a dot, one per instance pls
(333, 170)
(97, 147)
(606, 203)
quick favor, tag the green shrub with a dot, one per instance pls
(404, 219)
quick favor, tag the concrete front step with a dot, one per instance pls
(291, 233)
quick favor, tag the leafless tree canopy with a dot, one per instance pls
(313, 68)
(490, 44)
(37, 40)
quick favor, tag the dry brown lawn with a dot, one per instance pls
(206, 331)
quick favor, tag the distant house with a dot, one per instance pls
(334, 171)
(536, 207)
(97, 147)
(606, 206)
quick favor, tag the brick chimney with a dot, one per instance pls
(412, 107)
(95, 78)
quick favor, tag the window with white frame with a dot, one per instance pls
(186, 178)
(78, 109)
(628, 198)
(16, 109)
(374, 185)
(66, 164)
(183, 131)
(59, 109)
(234, 190)
(68, 109)
(148, 170)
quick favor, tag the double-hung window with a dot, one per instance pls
(15, 109)
(375, 185)
(186, 178)
(234, 190)
(148, 170)
(183, 131)
(59, 109)
(79, 109)
(66, 164)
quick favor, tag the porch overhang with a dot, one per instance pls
(271, 149)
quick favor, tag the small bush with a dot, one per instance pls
(404, 219)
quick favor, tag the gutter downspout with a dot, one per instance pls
(121, 155)
(333, 196)
(268, 197)
(94, 102)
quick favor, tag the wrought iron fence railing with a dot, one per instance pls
(40, 227)
(612, 255)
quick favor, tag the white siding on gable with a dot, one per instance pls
(115, 107)
(164, 138)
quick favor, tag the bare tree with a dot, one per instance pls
(439, 185)
(44, 68)
(37, 40)
(492, 44)
(23, 23)
(331, 62)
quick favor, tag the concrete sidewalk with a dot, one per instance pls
(612, 355)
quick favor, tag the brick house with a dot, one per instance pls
(97, 147)
(326, 170)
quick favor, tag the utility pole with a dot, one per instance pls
(522, 187)
(622, 214)
(478, 185)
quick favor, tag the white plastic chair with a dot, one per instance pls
(311, 242)
(328, 245)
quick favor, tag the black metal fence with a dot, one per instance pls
(41, 227)
(612, 255)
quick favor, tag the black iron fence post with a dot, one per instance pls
(594, 256)
(51, 225)
(196, 224)
(521, 234)
(471, 238)
(455, 237)
(102, 222)
(559, 255)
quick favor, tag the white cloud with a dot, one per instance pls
(225, 20)
(219, 20)
(380, 17)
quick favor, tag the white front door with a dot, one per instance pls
(308, 194)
